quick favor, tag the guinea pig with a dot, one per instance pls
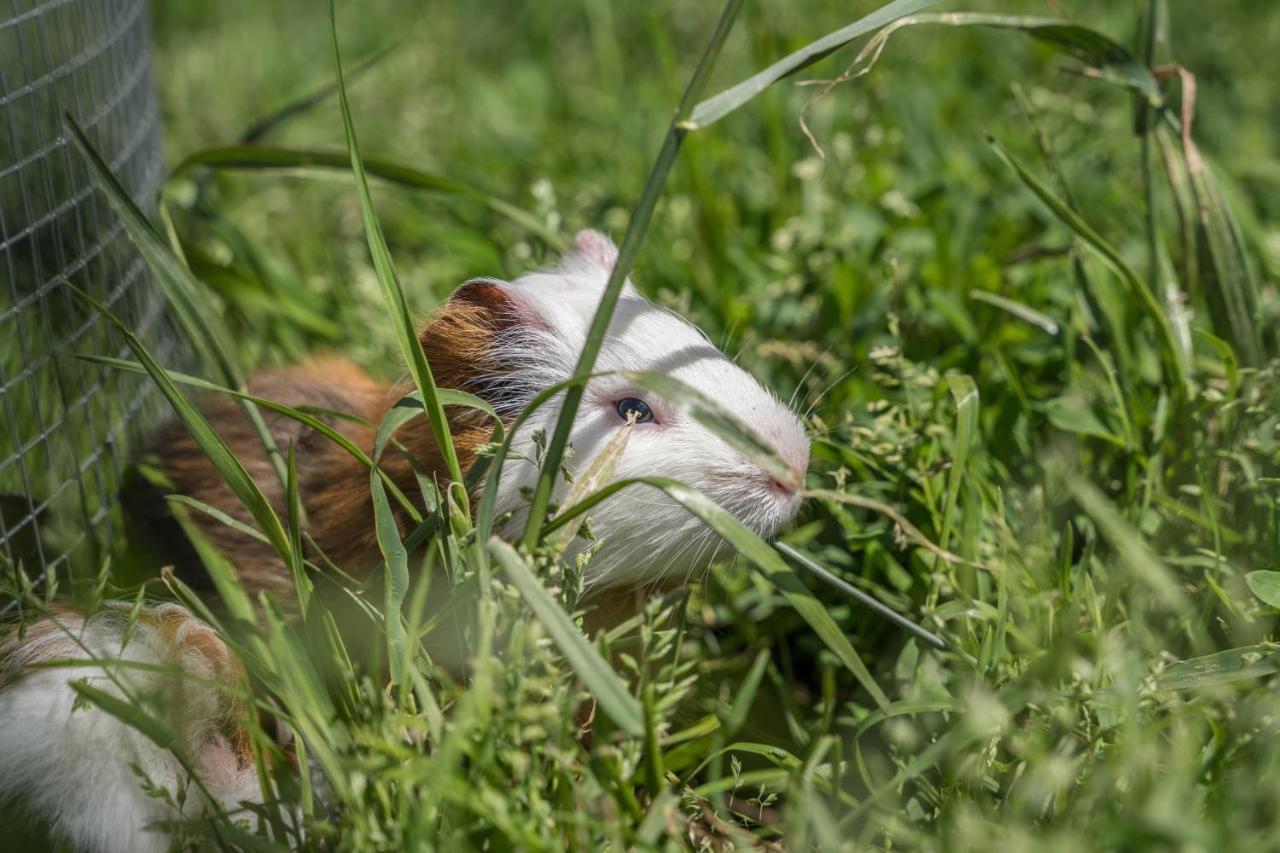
(73, 767)
(505, 342)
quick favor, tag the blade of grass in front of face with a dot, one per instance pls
(397, 308)
(272, 158)
(596, 674)
(747, 544)
(637, 226)
(715, 417)
(597, 475)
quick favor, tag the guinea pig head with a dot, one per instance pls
(526, 335)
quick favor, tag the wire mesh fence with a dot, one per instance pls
(66, 426)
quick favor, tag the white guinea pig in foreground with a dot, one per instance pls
(502, 341)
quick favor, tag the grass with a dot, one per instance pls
(1044, 429)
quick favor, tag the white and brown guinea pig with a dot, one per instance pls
(505, 342)
(72, 767)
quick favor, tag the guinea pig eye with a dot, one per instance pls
(629, 406)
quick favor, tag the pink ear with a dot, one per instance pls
(595, 247)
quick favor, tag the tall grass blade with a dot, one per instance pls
(965, 394)
(834, 580)
(305, 418)
(396, 560)
(220, 456)
(1172, 354)
(397, 308)
(274, 158)
(636, 228)
(200, 320)
(595, 672)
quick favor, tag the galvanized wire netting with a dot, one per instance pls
(66, 427)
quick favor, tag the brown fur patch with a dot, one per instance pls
(333, 485)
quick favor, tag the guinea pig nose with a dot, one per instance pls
(776, 485)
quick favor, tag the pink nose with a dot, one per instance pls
(794, 450)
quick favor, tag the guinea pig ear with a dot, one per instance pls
(458, 340)
(594, 248)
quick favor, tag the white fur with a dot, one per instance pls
(644, 537)
(70, 767)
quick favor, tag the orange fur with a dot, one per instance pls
(334, 486)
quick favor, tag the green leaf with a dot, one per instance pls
(1266, 586)
(1222, 667)
(595, 672)
(1072, 414)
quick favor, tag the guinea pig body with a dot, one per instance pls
(506, 342)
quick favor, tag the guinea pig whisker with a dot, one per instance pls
(826, 391)
(791, 404)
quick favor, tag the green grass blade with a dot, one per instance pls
(596, 476)
(1230, 290)
(1221, 668)
(129, 713)
(397, 308)
(297, 567)
(396, 560)
(965, 394)
(1133, 552)
(720, 105)
(1173, 355)
(200, 320)
(595, 672)
(636, 229)
(747, 544)
(298, 415)
(274, 158)
(220, 456)
(719, 420)
(834, 580)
